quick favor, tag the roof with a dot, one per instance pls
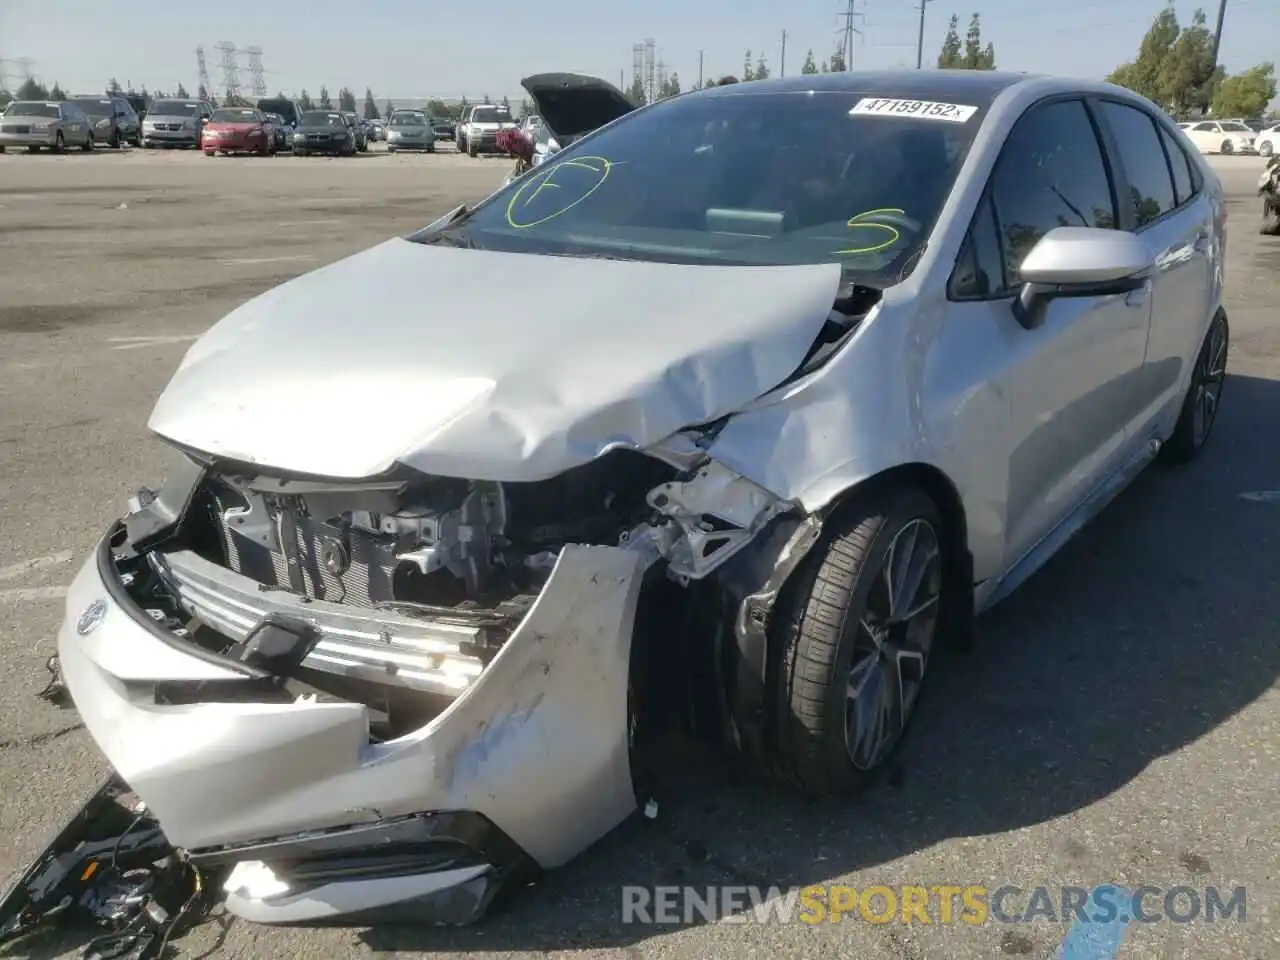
(943, 85)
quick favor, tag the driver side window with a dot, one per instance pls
(1051, 173)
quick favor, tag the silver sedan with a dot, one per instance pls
(40, 124)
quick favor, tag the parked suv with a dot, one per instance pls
(113, 120)
(175, 123)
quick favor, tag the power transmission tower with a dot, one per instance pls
(203, 67)
(649, 49)
(257, 76)
(230, 68)
(850, 31)
(637, 65)
(920, 39)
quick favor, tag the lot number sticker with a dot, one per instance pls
(927, 109)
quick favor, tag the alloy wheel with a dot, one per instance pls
(892, 644)
(1211, 371)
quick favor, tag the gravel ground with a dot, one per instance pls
(1118, 723)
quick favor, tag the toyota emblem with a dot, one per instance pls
(92, 617)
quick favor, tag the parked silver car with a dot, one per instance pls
(175, 123)
(39, 124)
(410, 130)
(804, 374)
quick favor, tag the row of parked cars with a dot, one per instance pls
(79, 122)
(1233, 136)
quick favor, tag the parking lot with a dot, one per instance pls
(1118, 723)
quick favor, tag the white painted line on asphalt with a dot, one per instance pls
(1262, 496)
(305, 223)
(245, 262)
(135, 343)
(24, 594)
(15, 570)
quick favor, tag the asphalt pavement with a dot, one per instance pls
(1118, 723)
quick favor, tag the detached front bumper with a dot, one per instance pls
(529, 763)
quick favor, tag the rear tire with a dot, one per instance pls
(852, 639)
(211, 153)
(87, 146)
(115, 142)
(1204, 395)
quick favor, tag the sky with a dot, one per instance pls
(411, 48)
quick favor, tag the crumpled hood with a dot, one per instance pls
(486, 365)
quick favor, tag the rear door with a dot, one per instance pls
(1169, 209)
(1070, 388)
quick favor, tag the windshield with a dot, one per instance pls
(1236, 128)
(319, 118)
(32, 110)
(235, 115)
(174, 108)
(490, 115)
(405, 118)
(770, 178)
(96, 108)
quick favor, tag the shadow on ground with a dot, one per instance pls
(1148, 631)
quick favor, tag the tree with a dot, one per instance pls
(826, 67)
(387, 109)
(949, 58)
(1188, 76)
(838, 64)
(809, 67)
(462, 107)
(486, 98)
(305, 102)
(673, 84)
(636, 94)
(32, 90)
(181, 93)
(56, 92)
(761, 71)
(346, 100)
(976, 56)
(325, 102)
(113, 86)
(506, 104)
(1240, 95)
(747, 72)
(202, 93)
(370, 108)
(437, 108)
(1174, 66)
(526, 107)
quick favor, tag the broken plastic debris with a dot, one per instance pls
(651, 809)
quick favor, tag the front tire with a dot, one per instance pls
(1204, 396)
(853, 638)
(59, 144)
(1270, 226)
(1266, 149)
(1227, 147)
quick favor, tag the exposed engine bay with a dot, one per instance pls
(397, 592)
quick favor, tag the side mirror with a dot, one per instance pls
(1079, 262)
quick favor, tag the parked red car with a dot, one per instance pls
(237, 130)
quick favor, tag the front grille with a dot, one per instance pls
(14, 128)
(366, 581)
(317, 137)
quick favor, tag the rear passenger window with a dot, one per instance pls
(1050, 174)
(1183, 179)
(1150, 183)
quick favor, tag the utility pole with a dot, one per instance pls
(920, 39)
(849, 31)
(1217, 33)
(782, 62)
(699, 69)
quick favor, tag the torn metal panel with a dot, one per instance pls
(639, 351)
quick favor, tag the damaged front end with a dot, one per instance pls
(393, 698)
